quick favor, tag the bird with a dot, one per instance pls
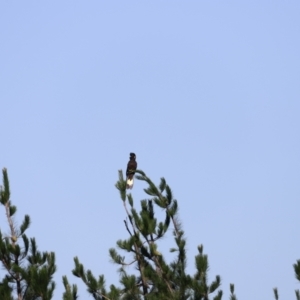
(131, 167)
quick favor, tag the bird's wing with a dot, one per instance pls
(131, 167)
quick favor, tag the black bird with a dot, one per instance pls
(131, 167)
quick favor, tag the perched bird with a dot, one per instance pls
(131, 167)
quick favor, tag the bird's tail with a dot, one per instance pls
(129, 183)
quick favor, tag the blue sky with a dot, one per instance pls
(206, 93)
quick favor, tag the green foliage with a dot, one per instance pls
(121, 185)
(29, 272)
(276, 293)
(5, 191)
(70, 291)
(297, 269)
(297, 275)
(5, 290)
(232, 295)
(154, 277)
(96, 287)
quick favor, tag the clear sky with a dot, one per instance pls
(206, 93)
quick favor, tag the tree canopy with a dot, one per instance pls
(145, 271)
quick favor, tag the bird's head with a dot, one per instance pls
(132, 155)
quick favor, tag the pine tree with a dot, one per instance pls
(155, 279)
(297, 275)
(28, 271)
